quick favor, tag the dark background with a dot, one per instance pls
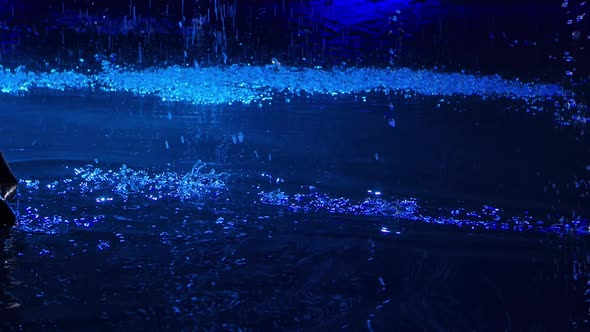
(525, 39)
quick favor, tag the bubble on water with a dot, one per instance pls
(576, 35)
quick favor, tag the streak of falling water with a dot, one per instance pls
(233, 12)
(217, 11)
(224, 37)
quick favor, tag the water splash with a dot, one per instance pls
(252, 84)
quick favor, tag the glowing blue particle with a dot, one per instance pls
(102, 245)
(392, 122)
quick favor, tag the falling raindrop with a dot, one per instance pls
(391, 122)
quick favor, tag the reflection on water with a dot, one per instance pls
(311, 214)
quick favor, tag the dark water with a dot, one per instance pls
(116, 232)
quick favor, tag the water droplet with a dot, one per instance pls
(392, 122)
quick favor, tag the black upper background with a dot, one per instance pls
(525, 38)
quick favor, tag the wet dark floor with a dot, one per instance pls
(278, 230)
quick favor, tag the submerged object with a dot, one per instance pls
(8, 185)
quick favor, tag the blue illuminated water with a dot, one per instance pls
(311, 214)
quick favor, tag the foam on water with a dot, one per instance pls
(248, 84)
